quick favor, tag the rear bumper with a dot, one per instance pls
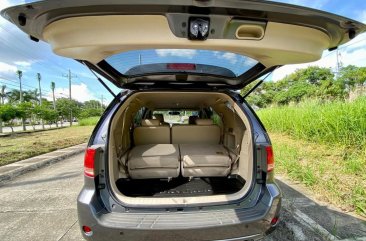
(233, 224)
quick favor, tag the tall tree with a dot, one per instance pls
(2, 101)
(40, 94)
(3, 94)
(28, 96)
(53, 86)
(65, 106)
(19, 73)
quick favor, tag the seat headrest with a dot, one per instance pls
(150, 122)
(159, 117)
(204, 122)
(192, 119)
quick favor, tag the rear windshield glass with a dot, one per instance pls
(153, 61)
(174, 116)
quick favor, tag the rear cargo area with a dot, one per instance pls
(193, 147)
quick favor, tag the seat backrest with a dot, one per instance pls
(151, 132)
(159, 117)
(203, 132)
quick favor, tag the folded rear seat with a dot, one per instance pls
(201, 153)
(153, 156)
(204, 160)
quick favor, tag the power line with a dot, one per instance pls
(28, 54)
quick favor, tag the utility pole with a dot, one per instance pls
(102, 98)
(40, 95)
(339, 63)
(70, 76)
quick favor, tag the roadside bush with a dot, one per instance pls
(90, 121)
(90, 112)
(9, 112)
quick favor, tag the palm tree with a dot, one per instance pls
(28, 96)
(53, 86)
(3, 94)
(40, 94)
(2, 99)
(13, 96)
(20, 75)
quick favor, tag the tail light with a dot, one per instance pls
(89, 162)
(87, 230)
(270, 159)
(274, 221)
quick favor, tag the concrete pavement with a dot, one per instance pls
(41, 205)
(15, 169)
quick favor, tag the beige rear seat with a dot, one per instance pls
(201, 153)
(204, 132)
(153, 156)
(154, 161)
(204, 160)
(151, 132)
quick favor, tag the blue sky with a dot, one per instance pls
(18, 52)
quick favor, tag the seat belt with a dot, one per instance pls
(222, 129)
(237, 148)
(120, 152)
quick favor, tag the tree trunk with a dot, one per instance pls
(1, 126)
(23, 124)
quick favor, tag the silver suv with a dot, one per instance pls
(179, 154)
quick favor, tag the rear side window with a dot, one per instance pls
(175, 116)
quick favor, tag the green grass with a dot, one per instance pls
(323, 169)
(19, 146)
(324, 147)
(333, 123)
(91, 121)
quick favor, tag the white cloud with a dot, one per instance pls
(79, 92)
(23, 63)
(186, 53)
(7, 70)
(4, 4)
(231, 57)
